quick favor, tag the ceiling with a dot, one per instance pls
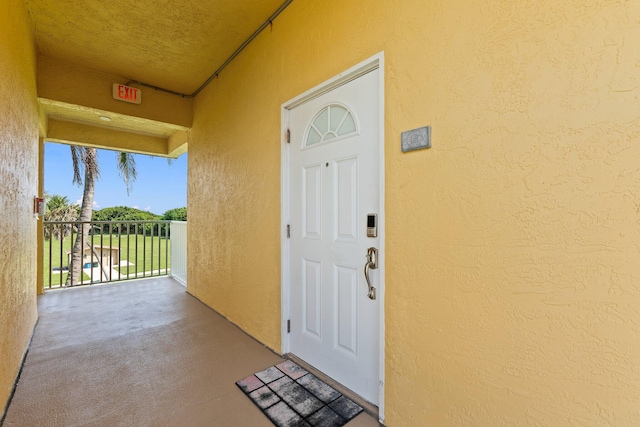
(90, 116)
(172, 44)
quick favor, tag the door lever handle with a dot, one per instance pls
(372, 264)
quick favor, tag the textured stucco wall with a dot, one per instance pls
(18, 185)
(73, 84)
(512, 281)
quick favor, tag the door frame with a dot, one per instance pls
(364, 67)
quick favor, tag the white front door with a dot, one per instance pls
(334, 187)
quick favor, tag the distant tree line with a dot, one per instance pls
(176, 214)
(125, 213)
(59, 209)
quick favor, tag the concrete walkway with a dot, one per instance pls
(139, 353)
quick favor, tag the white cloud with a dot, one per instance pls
(95, 204)
(135, 207)
(148, 208)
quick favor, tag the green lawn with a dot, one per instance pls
(143, 253)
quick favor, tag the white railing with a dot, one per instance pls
(179, 251)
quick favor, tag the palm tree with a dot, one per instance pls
(59, 209)
(56, 201)
(85, 158)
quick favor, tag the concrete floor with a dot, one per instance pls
(139, 353)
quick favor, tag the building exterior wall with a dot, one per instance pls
(18, 186)
(512, 273)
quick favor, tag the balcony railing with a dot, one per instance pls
(179, 251)
(111, 251)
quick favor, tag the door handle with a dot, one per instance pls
(372, 264)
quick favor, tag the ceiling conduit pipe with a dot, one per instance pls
(227, 62)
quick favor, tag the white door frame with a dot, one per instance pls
(375, 62)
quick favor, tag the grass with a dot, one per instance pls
(144, 253)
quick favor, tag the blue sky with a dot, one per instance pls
(159, 186)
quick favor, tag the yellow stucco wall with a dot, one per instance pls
(512, 273)
(18, 186)
(77, 85)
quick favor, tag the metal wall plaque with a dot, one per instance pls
(416, 139)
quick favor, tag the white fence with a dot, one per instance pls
(179, 251)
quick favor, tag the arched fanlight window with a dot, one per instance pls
(331, 122)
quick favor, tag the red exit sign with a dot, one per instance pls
(127, 93)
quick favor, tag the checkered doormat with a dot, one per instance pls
(292, 397)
